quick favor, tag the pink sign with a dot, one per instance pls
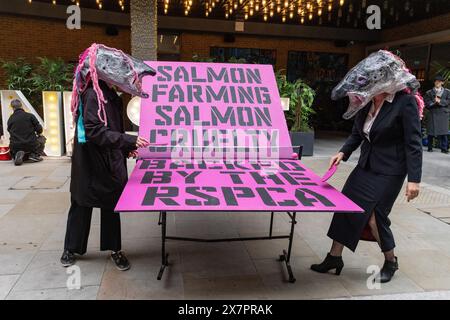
(208, 109)
(219, 142)
(285, 185)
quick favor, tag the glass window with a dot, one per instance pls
(250, 55)
(168, 46)
(440, 58)
(321, 71)
(416, 59)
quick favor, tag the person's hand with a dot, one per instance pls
(336, 160)
(412, 190)
(142, 142)
(438, 100)
(133, 154)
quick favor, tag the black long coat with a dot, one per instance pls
(99, 170)
(438, 114)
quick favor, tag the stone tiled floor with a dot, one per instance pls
(34, 200)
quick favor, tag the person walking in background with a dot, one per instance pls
(437, 102)
(387, 127)
(26, 140)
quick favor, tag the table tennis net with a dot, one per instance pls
(220, 153)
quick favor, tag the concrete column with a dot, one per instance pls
(144, 29)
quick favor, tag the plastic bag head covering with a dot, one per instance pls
(112, 66)
(380, 72)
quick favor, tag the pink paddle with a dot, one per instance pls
(329, 173)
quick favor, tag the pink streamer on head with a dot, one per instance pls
(419, 101)
(417, 95)
(98, 91)
(75, 90)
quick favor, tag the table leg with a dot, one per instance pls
(271, 223)
(286, 256)
(164, 255)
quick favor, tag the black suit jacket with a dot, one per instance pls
(395, 146)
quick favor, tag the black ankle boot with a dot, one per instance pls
(388, 271)
(328, 264)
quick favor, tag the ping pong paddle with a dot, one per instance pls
(329, 173)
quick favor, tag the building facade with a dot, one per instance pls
(318, 55)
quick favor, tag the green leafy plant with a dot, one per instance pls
(18, 75)
(237, 60)
(197, 58)
(300, 105)
(52, 75)
(49, 75)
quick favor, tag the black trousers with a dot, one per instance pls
(443, 142)
(37, 147)
(79, 225)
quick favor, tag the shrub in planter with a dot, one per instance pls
(301, 98)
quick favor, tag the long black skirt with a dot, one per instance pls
(374, 193)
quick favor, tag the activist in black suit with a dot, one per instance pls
(388, 130)
(392, 151)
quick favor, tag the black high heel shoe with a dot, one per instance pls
(388, 271)
(328, 264)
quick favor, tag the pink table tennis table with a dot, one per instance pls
(238, 106)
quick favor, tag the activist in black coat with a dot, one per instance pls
(99, 174)
(99, 171)
(438, 113)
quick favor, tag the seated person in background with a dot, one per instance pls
(26, 139)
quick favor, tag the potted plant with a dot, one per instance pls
(19, 77)
(52, 75)
(49, 75)
(301, 98)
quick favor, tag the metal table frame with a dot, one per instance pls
(285, 256)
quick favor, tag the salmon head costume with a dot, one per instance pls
(116, 68)
(380, 72)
